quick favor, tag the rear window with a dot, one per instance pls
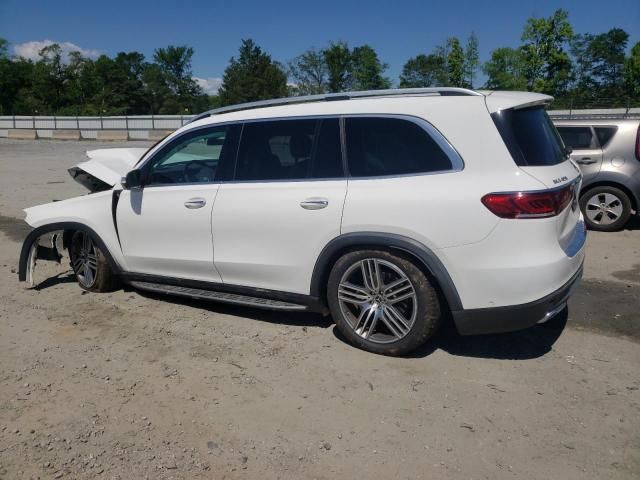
(530, 136)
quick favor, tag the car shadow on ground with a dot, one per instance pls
(522, 345)
(633, 223)
(60, 278)
(525, 344)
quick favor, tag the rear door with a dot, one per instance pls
(285, 204)
(586, 151)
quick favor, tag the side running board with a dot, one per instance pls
(218, 296)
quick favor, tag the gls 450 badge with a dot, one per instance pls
(560, 180)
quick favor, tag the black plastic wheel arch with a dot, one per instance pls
(36, 233)
(361, 240)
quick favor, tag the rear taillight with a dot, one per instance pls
(529, 204)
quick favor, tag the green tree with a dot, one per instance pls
(471, 59)
(547, 66)
(582, 62)
(175, 63)
(607, 56)
(455, 63)
(310, 72)
(368, 69)
(632, 74)
(505, 70)
(4, 48)
(129, 68)
(252, 76)
(339, 65)
(424, 71)
(49, 78)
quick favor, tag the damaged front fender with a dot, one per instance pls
(40, 252)
(32, 250)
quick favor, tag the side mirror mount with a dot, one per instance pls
(568, 151)
(133, 180)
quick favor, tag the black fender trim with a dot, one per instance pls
(36, 233)
(392, 241)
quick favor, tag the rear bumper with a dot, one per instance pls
(515, 317)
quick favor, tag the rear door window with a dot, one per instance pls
(578, 138)
(290, 150)
(605, 134)
(391, 146)
(530, 136)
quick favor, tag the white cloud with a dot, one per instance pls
(210, 85)
(30, 50)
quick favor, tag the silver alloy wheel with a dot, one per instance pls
(378, 300)
(85, 259)
(603, 208)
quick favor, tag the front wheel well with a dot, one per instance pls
(619, 186)
(68, 228)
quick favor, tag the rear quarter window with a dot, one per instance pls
(530, 136)
(379, 146)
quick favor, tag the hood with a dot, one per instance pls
(105, 167)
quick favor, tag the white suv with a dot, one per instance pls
(386, 209)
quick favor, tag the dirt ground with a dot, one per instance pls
(128, 385)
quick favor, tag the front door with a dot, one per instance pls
(285, 204)
(165, 227)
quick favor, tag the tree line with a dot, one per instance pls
(581, 70)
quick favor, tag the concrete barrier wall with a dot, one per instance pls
(134, 122)
(136, 127)
(155, 127)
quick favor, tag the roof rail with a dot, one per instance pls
(328, 97)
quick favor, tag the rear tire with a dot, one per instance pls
(605, 209)
(382, 303)
(90, 265)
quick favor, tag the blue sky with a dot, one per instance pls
(396, 29)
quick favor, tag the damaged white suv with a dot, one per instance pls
(389, 210)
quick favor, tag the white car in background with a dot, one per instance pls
(386, 209)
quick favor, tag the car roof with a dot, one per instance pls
(357, 102)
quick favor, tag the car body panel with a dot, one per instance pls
(93, 210)
(181, 247)
(619, 164)
(111, 164)
(264, 238)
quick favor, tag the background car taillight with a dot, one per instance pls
(529, 204)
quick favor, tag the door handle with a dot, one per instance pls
(314, 203)
(195, 203)
(586, 161)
